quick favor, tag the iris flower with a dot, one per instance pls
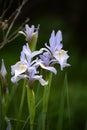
(26, 68)
(30, 32)
(58, 55)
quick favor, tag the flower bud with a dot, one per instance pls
(3, 70)
(31, 35)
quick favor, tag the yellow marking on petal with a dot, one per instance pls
(60, 53)
(22, 67)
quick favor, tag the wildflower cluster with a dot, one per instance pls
(27, 67)
(30, 67)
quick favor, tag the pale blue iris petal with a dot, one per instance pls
(52, 69)
(29, 31)
(58, 37)
(32, 29)
(55, 42)
(58, 47)
(37, 77)
(27, 54)
(43, 82)
(26, 49)
(35, 53)
(23, 58)
(31, 71)
(23, 76)
(45, 58)
(15, 79)
(64, 65)
(52, 39)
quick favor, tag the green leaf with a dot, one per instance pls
(61, 108)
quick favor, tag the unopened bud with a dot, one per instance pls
(3, 70)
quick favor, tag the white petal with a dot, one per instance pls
(61, 57)
(52, 69)
(15, 79)
(18, 68)
(43, 82)
(64, 65)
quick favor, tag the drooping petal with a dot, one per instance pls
(49, 68)
(15, 78)
(21, 32)
(64, 65)
(62, 56)
(18, 68)
(35, 53)
(43, 82)
(48, 48)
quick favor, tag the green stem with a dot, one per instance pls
(45, 101)
(1, 112)
(44, 121)
(21, 103)
(31, 126)
(31, 105)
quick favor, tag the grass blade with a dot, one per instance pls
(62, 101)
(1, 113)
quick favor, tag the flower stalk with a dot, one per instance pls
(45, 101)
(21, 103)
(31, 105)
